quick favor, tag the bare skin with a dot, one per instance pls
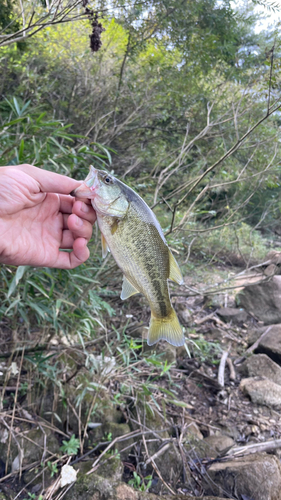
(38, 219)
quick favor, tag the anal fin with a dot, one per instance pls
(127, 289)
(104, 246)
(175, 272)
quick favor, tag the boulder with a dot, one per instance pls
(256, 477)
(262, 391)
(262, 365)
(28, 447)
(270, 344)
(170, 461)
(233, 315)
(263, 300)
(219, 444)
(112, 430)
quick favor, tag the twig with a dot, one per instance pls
(13, 415)
(222, 368)
(254, 448)
(270, 76)
(158, 453)
(232, 373)
(255, 345)
(206, 318)
(234, 148)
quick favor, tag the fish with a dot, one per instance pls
(132, 233)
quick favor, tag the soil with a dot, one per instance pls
(188, 398)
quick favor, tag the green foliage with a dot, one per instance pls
(8, 18)
(141, 484)
(53, 468)
(70, 447)
(207, 352)
(236, 244)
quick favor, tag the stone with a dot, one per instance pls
(256, 476)
(168, 351)
(219, 444)
(99, 485)
(170, 462)
(112, 430)
(125, 492)
(151, 496)
(271, 343)
(192, 428)
(184, 316)
(233, 315)
(263, 300)
(3, 496)
(262, 391)
(28, 447)
(262, 365)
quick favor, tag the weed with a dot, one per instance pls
(53, 468)
(70, 447)
(140, 484)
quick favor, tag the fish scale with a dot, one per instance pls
(144, 259)
(132, 233)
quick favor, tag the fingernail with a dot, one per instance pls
(85, 208)
(78, 221)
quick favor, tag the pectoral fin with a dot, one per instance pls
(175, 272)
(127, 289)
(114, 226)
(104, 246)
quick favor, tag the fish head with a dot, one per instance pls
(105, 193)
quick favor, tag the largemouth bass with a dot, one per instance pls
(134, 236)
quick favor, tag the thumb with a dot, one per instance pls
(50, 182)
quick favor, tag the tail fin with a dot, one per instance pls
(167, 328)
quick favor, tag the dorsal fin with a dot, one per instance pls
(127, 289)
(175, 272)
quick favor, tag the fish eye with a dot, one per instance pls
(107, 179)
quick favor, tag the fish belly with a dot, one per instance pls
(143, 257)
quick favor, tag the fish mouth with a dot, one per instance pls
(87, 189)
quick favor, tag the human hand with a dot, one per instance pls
(36, 222)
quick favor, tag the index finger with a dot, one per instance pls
(49, 182)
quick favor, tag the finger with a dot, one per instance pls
(65, 221)
(66, 203)
(50, 182)
(67, 240)
(78, 256)
(84, 211)
(79, 227)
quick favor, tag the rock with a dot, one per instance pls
(99, 485)
(262, 365)
(219, 444)
(47, 404)
(271, 343)
(234, 315)
(112, 430)
(3, 496)
(256, 477)
(151, 496)
(262, 391)
(193, 429)
(169, 462)
(197, 448)
(28, 447)
(168, 351)
(263, 300)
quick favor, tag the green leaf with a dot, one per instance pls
(18, 276)
(21, 149)
(70, 447)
